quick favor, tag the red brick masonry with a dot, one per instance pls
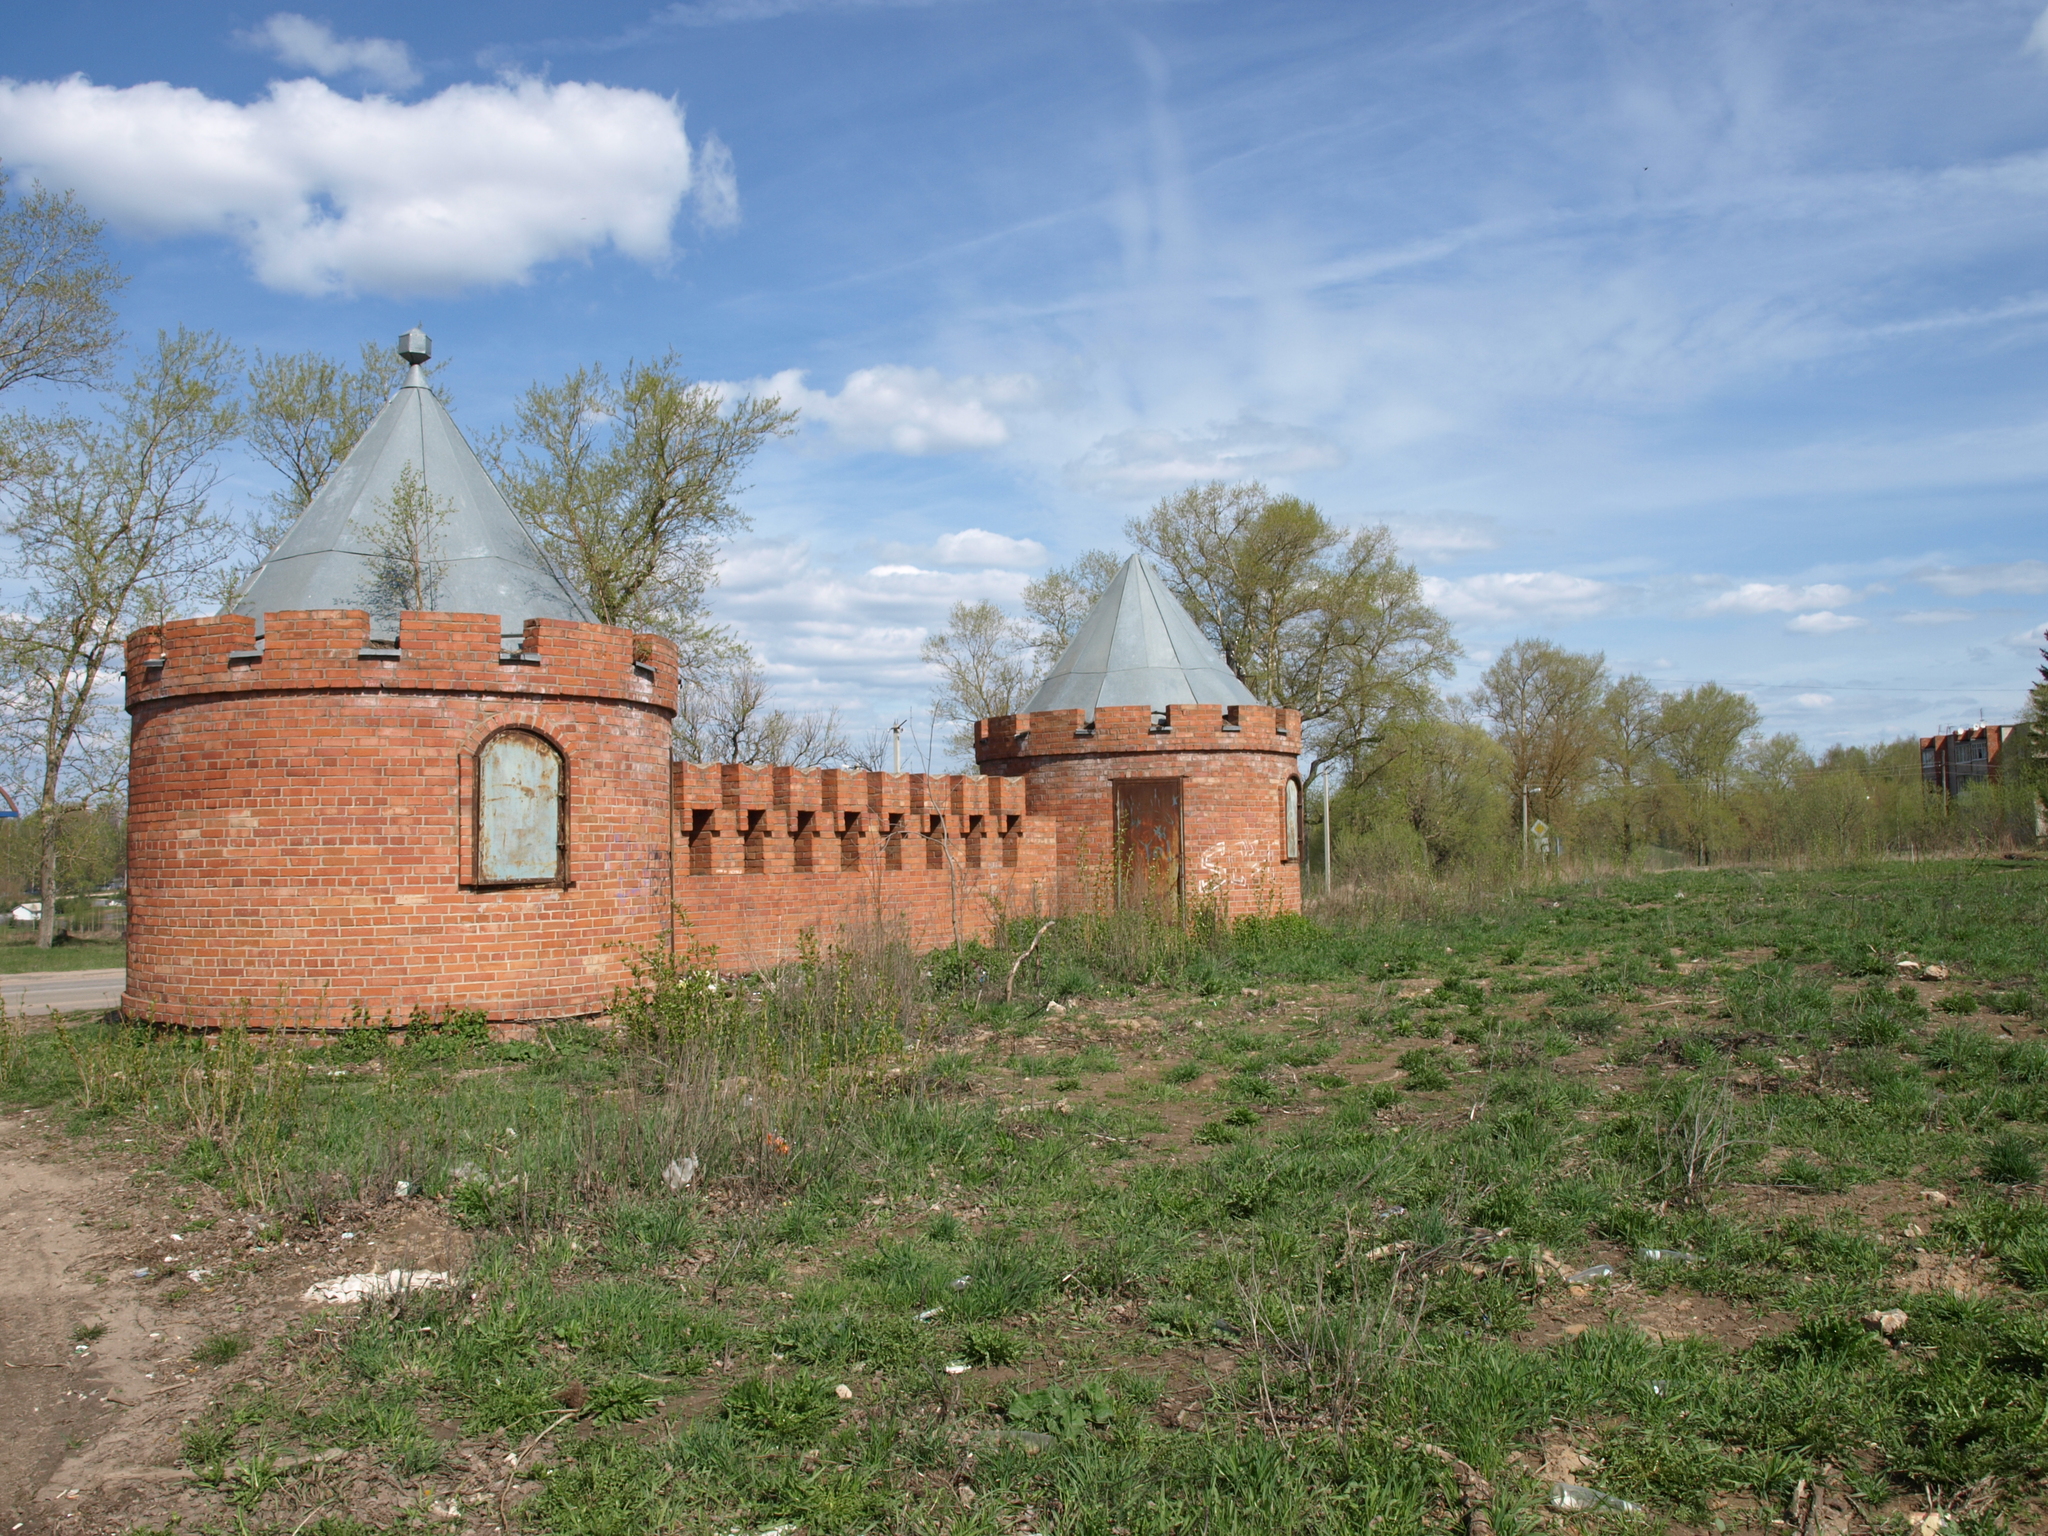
(300, 821)
(1234, 763)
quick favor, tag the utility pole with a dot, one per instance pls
(1525, 828)
(896, 741)
(1326, 834)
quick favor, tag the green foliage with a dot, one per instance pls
(786, 1408)
(1065, 1413)
(220, 1348)
(2010, 1158)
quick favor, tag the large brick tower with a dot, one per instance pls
(1167, 782)
(334, 808)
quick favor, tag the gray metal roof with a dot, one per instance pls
(1138, 646)
(492, 563)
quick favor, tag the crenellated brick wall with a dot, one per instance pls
(1233, 761)
(300, 817)
(764, 853)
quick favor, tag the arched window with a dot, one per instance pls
(1290, 804)
(522, 811)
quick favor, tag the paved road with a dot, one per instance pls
(39, 992)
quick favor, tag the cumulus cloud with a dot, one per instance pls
(479, 184)
(914, 411)
(2037, 38)
(303, 43)
(1937, 616)
(1814, 700)
(1770, 597)
(2014, 576)
(1824, 623)
(1143, 462)
(1512, 596)
(977, 546)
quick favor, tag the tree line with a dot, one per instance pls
(1549, 755)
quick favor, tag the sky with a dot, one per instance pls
(1711, 337)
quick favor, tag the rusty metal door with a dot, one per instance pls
(1148, 843)
(521, 814)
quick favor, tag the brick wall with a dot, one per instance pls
(300, 817)
(1234, 763)
(301, 820)
(763, 854)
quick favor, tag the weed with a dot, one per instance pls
(88, 1333)
(1064, 1413)
(220, 1348)
(987, 1345)
(786, 1408)
(2010, 1159)
(1957, 1002)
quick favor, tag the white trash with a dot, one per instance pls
(393, 1282)
(1572, 1496)
(680, 1174)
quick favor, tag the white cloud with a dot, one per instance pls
(2016, 576)
(1143, 462)
(1937, 616)
(1814, 700)
(1769, 597)
(1512, 596)
(717, 189)
(1824, 623)
(911, 410)
(476, 185)
(1446, 534)
(2037, 37)
(977, 546)
(303, 43)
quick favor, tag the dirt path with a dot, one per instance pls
(61, 1405)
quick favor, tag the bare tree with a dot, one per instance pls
(1543, 701)
(57, 289)
(629, 485)
(1059, 601)
(110, 526)
(723, 715)
(1311, 616)
(305, 412)
(1631, 729)
(985, 664)
(408, 563)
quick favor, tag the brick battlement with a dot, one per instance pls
(1121, 729)
(329, 650)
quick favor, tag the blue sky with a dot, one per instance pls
(1711, 337)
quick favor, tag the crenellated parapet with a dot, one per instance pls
(1013, 744)
(733, 818)
(332, 650)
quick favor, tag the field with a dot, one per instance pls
(1682, 1190)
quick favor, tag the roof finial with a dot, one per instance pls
(415, 346)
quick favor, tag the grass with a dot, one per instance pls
(18, 954)
(1307, 1214)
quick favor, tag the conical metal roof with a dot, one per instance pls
(492, 564)
(1138, 646)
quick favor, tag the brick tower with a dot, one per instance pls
(1166, 780)
(335, 808)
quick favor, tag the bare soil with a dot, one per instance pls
(90, 1426)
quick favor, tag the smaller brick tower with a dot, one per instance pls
(1167, 781)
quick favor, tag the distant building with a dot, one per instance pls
(1956, 758)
